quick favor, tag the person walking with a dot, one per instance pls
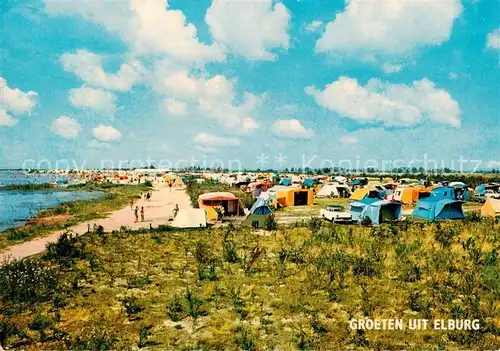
(136, 214)
(176, 210)
(131, 203)
(142, 213)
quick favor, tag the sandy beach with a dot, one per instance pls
(158, 210)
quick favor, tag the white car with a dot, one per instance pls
(336, 214)
(490, 193)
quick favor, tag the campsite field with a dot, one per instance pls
(68, 214)
(235, 288)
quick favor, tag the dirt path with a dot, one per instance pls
(157, 211)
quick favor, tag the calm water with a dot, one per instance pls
(15, 178)
(18, 206)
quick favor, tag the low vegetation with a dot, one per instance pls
(28, 187)
(236, 288)
(71, 213)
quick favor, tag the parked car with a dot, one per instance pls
(491, 193)
(336, 213)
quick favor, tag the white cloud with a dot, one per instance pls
(389, 27)
(212, 97)
(6, 119)
(106, 133)
(493, 40)
(16, 101)
(390, 104)
(348, 139)
(292, 128)
(314, 26)
(181, 84)
(88, 67)
(175, 107)
(93, 98)
(66, 127)
(249, 28)
(493, 164)
(209, 143)
(146, 27)
(391, 68)
(94, 144)
(250, 124)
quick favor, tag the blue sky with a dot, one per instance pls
(269, 83)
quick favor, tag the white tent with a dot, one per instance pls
(327, 190)
(190, 218)
(333, 190)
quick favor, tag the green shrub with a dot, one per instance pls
(244, 341)
(66, 249)
(444, 235)
(175, 309)
(132, 306)
(28, 281)
(194, 304)
(41, 323)
(138, 282)
(96, 340)
(271, 223)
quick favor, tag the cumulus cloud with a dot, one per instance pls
(291, 128)
(493, 164)
(391, 68)
(175, 107)
(249, 28)
(209, 143)
(389, 27)
(493, 40)
(94, 144)
(15, 102)
(314, 26)
(146, 27)
(66, 127)
(6, 119)
(106, 133)
(93, 98)
(213, 97)
(390, 104)
(88, 67)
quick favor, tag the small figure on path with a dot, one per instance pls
(176, 210)
(131, 203)
(170, 185)
(142, 213)
(136, 214)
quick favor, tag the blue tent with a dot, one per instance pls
(440, 205)
(379, 211)
(61, 181)
(481, 189)
(357, 207)
(260, 207)
(356, 181)
(309, 182)
(286, 181)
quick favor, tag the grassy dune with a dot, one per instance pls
(68, 214)
(232, 288)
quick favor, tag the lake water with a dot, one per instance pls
(18, 206)
(16, 178)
